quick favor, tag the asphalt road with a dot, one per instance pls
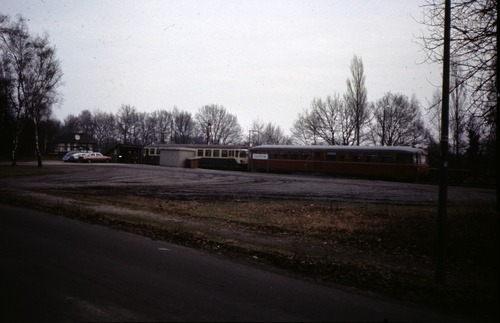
(57, 269)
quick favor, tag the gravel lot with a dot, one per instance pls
(202, 183)
(370, 235)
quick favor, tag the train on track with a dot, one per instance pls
(385, 162)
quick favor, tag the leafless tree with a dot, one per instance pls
(459, 111)
(356, 100)
(126, 122)
(35, 74)
(327, 116)
(397, 121)
(304, 130)
(347, 122)
(218, 125)
(321, 123)
(148, 127)
(267, 134)
(16, 51)
(70, 125)
(255, 136)
(86, 123)
(473, 49)
(184, 127)
(164, 124)
(434, 115)
(42, 81)
(104, 129)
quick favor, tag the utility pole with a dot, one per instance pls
(443, 185)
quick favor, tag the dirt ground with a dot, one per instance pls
(370, 236)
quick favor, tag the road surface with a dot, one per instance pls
(57, 269)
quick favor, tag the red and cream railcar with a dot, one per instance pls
(400, 163)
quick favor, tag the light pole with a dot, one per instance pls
(209, 131)
(250, 137)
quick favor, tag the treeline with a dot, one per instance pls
(30, 76)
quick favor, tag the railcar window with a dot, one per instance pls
(406, 159)
(357, 158)
(231, 153)
(284, 155)
(343, 157)
(243, 154)
(423, 159)
(306, 156)
(371, 158)
(387, 158)
(272, 156)
(331, 156)
(223, 153)
(208, 153)
(294, 155)
(216, 152)
(200, 153)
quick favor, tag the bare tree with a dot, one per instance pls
(17, 52)
(305, 129)
(220, 126)
(86, 123)
(147, 127)
(473, 45)
(459, 111)
(256, 133)
(41, 85)
(104, 129)
(184, 127)
(126, 121)
(397, 121)
(347, 122)
(269, 134)
(164, 124)
(356, 99)
(320, 124)
(36, 75)
(6, 90)
(434, 115)
(327, 116)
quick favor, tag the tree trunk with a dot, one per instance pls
(37, 144)
(15, 142)
(14, 148)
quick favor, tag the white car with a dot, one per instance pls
(74, 157)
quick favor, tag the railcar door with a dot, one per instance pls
(318, 161)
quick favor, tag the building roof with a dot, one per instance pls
(339, 148)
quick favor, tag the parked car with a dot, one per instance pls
(68, 155)
(73, 156)
(94, 158)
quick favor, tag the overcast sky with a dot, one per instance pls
(263, 60)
